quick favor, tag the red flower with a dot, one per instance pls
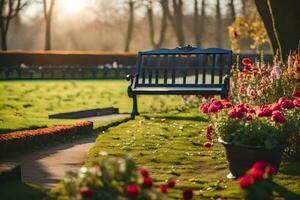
(242, 89)
(261, 165)
(267, 111)
(163, 188)
(260, 113)
(209, 129)
(271, 170)
(133, 190)
(278, 117)
(86, 192)
(144, 173)
(207, 144)
(256, 173)
(281, 100)
(275, 106)
(249, 116)
(226, 104)
(187, 194)
(204, 108)
(233, 113)
(246, 181)
(213, 108)
(246, 61)
(147, 182)
(171, 183)
(297, 102)
(296, 93)
(287, 104)
(247, 68)
(235, 34)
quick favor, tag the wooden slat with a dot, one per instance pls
(157, 69)
(197, 70)
(212, 80)
(220, 68)
(204, 65)
(173, 68)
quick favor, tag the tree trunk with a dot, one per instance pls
(163, 28)
(130, 26)
(178, 17)
(232, 10)
(48, 35)
(281, 20)
(218, 25)
(197, 31)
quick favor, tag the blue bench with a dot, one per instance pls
(181, 71)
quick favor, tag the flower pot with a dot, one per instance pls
(241, 157)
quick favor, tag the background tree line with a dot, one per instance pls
(131, 25)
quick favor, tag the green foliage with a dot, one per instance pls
(107, 180)
(257, 132)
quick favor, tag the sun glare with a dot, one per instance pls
(73, 6)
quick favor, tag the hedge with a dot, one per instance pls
(22, 140)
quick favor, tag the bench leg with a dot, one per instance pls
(135, 107)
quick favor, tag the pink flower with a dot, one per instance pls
(207, 144)
(86, 192)
(144, 173)
(232, 113)
(163, 188)
(187, 194)
(133, 190)
(213, 108)
(267, 111)
(171, 183)
(281, 100)
(226, 104)
(260, 113)
(256, 173)
(246, 181)
(278, 117)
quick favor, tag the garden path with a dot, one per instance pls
(47, 167)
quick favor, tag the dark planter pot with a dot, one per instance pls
(241, 158)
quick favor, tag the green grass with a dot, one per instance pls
(17, 190)
(170, 146)
(27, 104)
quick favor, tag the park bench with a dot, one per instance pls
(181, 71)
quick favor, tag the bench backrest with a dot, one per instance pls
(183, 67)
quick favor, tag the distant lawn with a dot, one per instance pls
(170, 146)
(27, 104)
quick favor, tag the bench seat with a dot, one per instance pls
(177, 90)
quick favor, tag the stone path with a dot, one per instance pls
(47, 167)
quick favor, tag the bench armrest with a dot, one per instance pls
(130, 77)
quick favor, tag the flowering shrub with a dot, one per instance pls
(257, 183)
(248, 27)
(20, 140)
(113, 178)
(242, 124)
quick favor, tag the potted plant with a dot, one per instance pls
(251, 133)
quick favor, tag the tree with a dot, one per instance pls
(164, 25)
(130, 25)
(281, 20)
(48, 11)
(232, 10)
(218, 24)
(199, 22)
(8, 10)
(177, 21)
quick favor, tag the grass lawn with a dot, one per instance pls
(170, 146)
(27, 104)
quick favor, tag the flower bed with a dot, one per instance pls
(20, 140)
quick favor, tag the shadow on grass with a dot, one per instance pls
(290, 168)
(186, 118)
